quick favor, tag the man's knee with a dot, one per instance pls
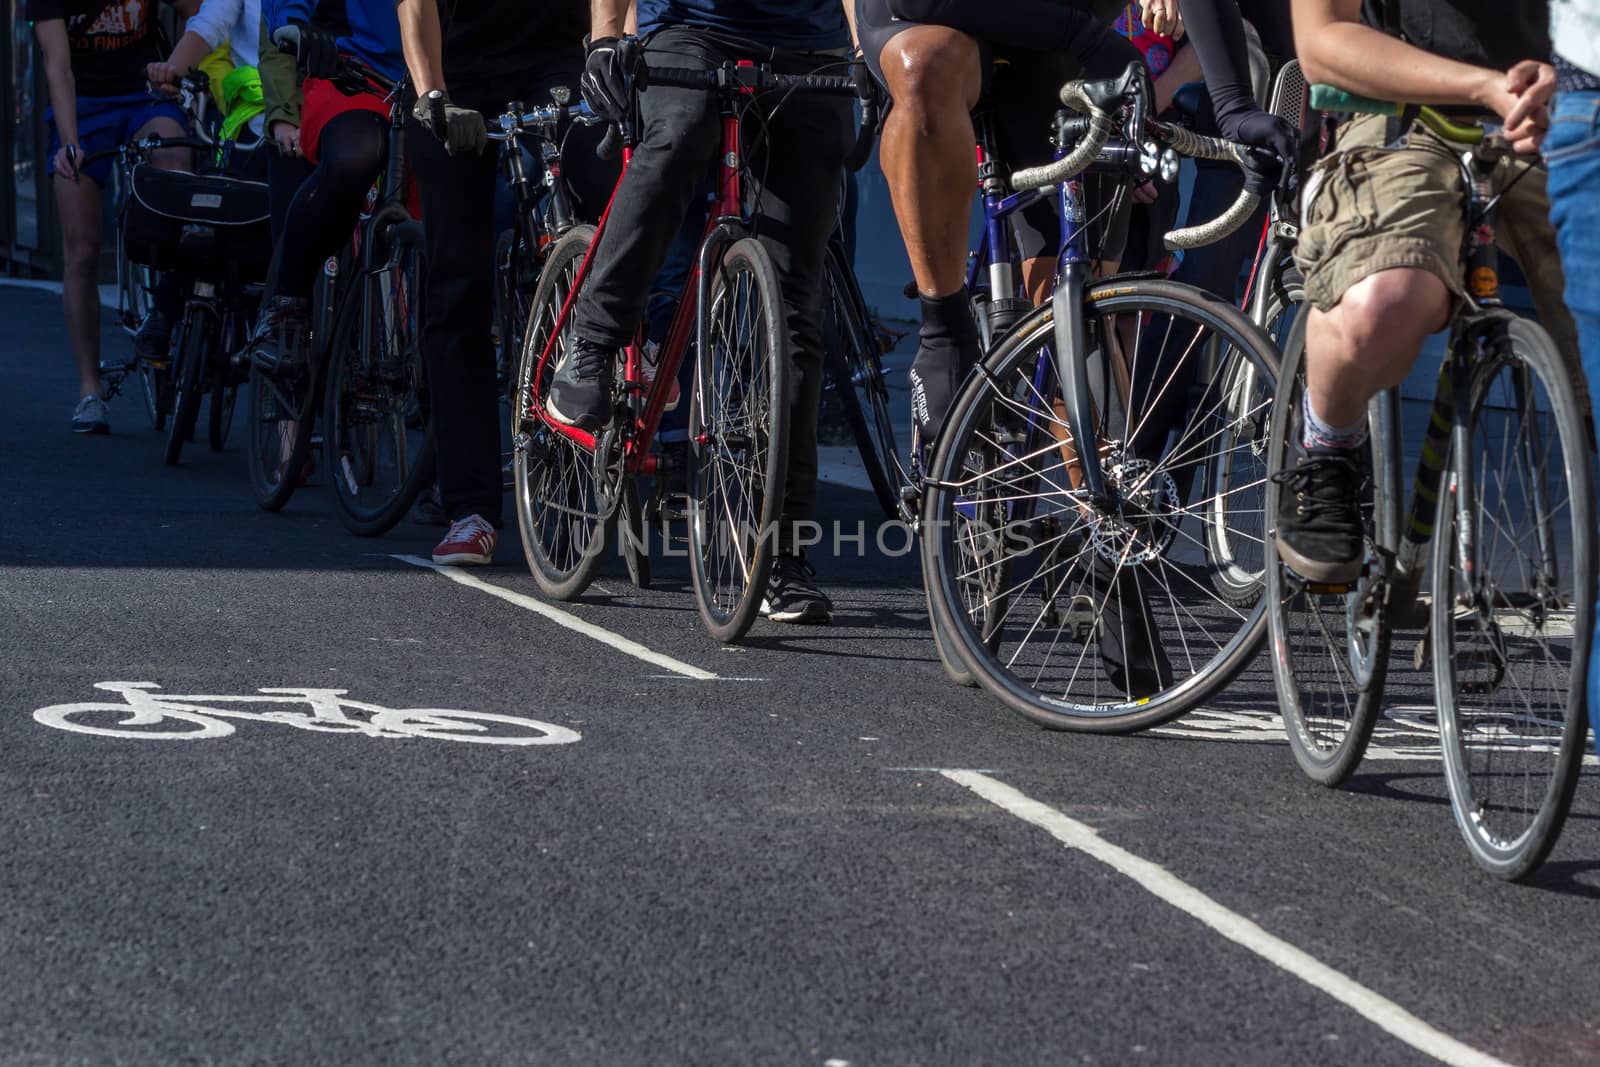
(932, 69)
(80, 253)
(1391, 311)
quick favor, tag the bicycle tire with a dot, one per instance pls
(563, 529)
(1327, 746)
(363, 410)
(194, 352)
(224, 398)
(856, 368)
(282, 421)
(728, 438)
(1478, 741)
(1020, 352)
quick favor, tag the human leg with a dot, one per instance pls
(78, 204)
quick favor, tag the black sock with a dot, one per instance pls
(947, 348)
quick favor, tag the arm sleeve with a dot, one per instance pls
(214, 20)
(280, 89)
(1216, 29)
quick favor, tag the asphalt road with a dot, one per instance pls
(774, 865)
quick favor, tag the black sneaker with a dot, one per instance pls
(154, 339)
(1131, 649)
(1319, 534)
(278, 340)
(580, 388)
(792, 596)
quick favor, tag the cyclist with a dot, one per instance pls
(1571, 149)
(346, 138)
(235, 23)
(932, 57)
(803, 144)
(95, 53)
(486, 54)
(1382, 228)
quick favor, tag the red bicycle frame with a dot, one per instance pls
(724, 221)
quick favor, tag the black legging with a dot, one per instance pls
(352, 151)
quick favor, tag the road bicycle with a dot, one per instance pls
(1503, 497)
(573, 488)
(1046, 562)
(362, 357)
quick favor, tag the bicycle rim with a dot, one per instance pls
(1511, 634)
(1330, 647)
(856, 368)
(558, 507)
(739, 441)
(1079, 604)
(375, 423)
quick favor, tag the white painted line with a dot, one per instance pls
(566, 619)
(1383, 1013)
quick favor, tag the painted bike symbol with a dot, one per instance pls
(145, 713)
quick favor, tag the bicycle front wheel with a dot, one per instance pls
(1513, 601)
(282, 415)
(375, 416)
(193, 353)
(559, 507)
(855, 366)
(1084, 614)
(738, 441)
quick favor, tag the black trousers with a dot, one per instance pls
(799, 153)
(458, 197)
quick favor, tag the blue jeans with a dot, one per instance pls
(1573, 152)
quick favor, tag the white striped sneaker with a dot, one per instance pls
(470, 542)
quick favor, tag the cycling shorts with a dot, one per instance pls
(1021, 87)
(108, 121)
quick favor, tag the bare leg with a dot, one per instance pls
(78, 204)
(1369, 340)
(934, 78)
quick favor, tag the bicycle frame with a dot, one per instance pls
(726, 223)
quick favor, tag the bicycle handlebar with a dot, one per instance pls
(151, 143)
(750, 79)
(545, 120)
(1097, 135)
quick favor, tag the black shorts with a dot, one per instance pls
(1021, 87)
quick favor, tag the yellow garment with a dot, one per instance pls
(216, 67)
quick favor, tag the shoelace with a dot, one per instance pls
(1340, 473)
(467, 529)
(589, 361)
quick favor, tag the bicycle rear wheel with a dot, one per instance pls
(375, 416)
(1079, 614)
(194, 353)
(1513, 601)
(1330, 645)
(282, 415)
(738, 441)
(559, 510)
(855, 367)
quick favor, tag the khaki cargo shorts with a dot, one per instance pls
(1368, 208)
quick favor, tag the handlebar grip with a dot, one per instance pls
(1210, 232)
(827, 84)
(1084, 153)
(866, 135)
(679, 77)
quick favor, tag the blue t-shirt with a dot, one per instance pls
(804, 25)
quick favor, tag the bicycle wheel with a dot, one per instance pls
(1330, 645)
(282, 415)
(738, 441)
(559, 510)
(194, 353)
(855, 368)
(375, 414)
(1092, 615)
(1513, 602)
(224, 398)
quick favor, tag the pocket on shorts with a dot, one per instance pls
(1340, 204)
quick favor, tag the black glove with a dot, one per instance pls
(460, 128)
(608, 73)
(318, 53)
(1262, 129)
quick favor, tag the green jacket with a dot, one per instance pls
(280, 83)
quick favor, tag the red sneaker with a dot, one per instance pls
(470, 541)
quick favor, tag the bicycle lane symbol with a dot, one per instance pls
(146, 714)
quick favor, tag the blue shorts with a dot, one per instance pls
(107, 121)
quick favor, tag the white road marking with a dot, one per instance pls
(1380, 1011)
(566, 619)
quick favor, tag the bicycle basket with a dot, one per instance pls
(198, 223)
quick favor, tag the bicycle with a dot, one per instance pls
(1014, 512)
(362, 357)
(574, 487)
(1512, 579)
